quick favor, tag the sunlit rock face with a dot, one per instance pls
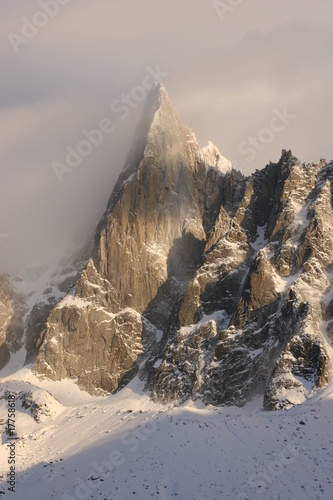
(256, 317)
(205, 283)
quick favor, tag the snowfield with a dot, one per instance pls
(125, 446)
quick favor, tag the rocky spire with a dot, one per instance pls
(233, 271)
(147, 246)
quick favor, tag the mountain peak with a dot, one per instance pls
(166, 123)
(157, 97)
(161, 134)
(213, 158)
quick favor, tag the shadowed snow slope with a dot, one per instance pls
(127, 447)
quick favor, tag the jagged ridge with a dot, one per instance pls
(209, 283)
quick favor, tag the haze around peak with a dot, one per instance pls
(253, 78)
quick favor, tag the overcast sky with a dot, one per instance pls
(253, 76)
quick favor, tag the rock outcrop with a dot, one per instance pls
(12, 310)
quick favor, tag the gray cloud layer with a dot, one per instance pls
(228, 68)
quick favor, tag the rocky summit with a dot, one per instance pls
(203, 282)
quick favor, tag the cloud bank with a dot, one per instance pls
(230, 65)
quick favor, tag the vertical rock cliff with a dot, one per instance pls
(147, 247)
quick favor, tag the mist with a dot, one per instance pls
(253, 77)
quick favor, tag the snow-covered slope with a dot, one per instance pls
(125, 446)
(26, 301)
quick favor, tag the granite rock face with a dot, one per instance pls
(205, 283)
(148, 245)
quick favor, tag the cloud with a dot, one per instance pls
(225, 79)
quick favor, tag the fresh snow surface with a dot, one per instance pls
(260, 241)
(15, 363)
(65, 391)
(125, 446)
(72, 301)
(301, 220)
(217, 316)
(283, 283)
(220, 317)
(32, 283)
(213, 158)
(159, 335)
